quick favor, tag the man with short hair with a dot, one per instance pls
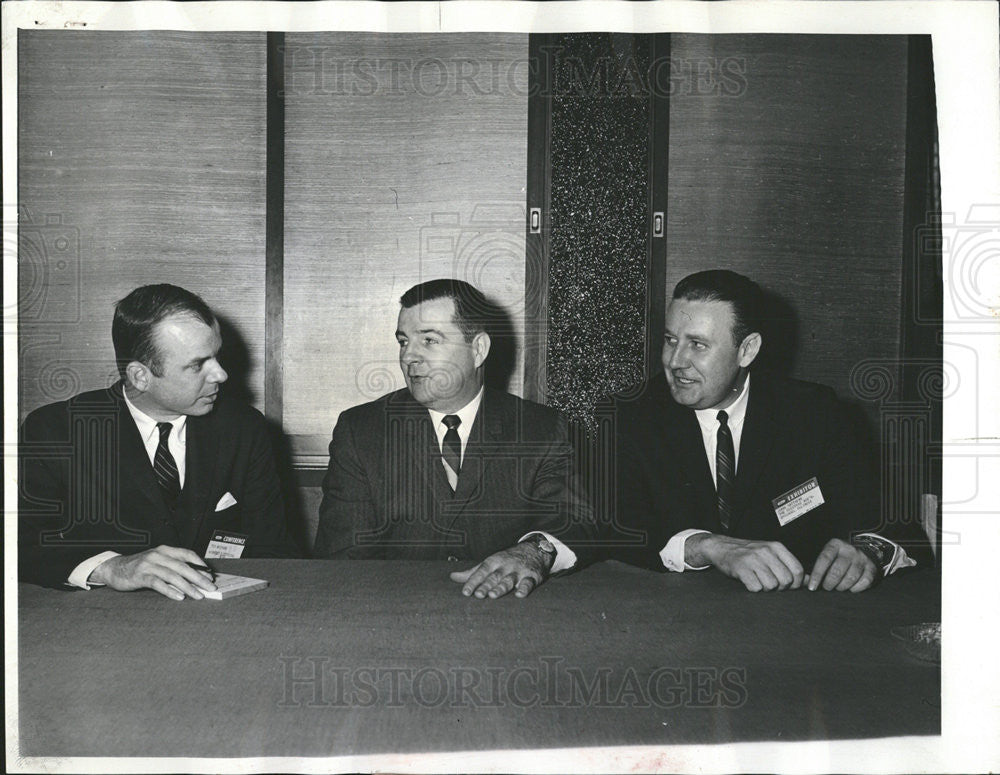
(763, 478)
(448, 469)
(130, 486)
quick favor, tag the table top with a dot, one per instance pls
(369, 657)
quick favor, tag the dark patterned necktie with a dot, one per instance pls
(451, 450)
(725, 469)
(165, 468)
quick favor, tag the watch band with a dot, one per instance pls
(882, 552)
(543, 545)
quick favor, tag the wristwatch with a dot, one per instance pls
(544, 546)
(881, 552)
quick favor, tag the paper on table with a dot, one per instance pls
(229, 585)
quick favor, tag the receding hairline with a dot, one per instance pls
(158, 328)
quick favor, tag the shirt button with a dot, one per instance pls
(452, 558)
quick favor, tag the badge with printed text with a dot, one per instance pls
(798, 501)
(225, 545)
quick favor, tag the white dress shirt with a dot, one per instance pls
(150, 435)
(565, 557)
(467, 414)
(672, 554)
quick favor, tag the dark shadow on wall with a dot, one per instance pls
(780, 354)
(503, 346)
(235, 359)
(780, 349)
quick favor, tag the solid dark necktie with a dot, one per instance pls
(165, 468)
(725, 469)
(451, 450)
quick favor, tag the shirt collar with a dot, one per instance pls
(736, 411)
(467, 414)
(148, 426)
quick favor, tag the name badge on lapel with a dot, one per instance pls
(798, 501)
(225, 545)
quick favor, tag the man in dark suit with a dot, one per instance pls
(130, 486)
(448, 469)
(757, 476)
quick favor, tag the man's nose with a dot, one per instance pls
(409, 354)
(678, 358)
(218, 374)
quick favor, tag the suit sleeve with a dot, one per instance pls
(264, 501)
(45, 509)
(859, 482)
(634, 532)
(557, 481)
(347, 508)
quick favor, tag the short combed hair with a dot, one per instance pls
(136, 316)
(473, 313)
(741, 292)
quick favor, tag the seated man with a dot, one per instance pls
(757, 476)
(131, 486)
(447, 469)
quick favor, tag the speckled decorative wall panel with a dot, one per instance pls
(598, 202)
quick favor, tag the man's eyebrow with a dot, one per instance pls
(200, 361)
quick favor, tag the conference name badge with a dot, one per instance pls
(225, 545)
(798, 501)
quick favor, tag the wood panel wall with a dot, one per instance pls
(405, 161)
(797, 180)
(141, 160)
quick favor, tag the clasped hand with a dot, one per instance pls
(522, 567)
(769, 565)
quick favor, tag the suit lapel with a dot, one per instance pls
(137, 483)
(487, 429)
(683, 434)
(201, 458)
(413, 457)
(759, 429)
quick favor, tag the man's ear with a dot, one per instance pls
(749, 349)
(480, 348)
(137, 375)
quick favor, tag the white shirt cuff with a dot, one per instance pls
(672, 554)
(565, 557)
(900, 559)
(80, 574)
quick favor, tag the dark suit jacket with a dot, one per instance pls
(792, 431)
(87, 486)
(386, 494)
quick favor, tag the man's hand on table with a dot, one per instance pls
(842, 567)
(522, 567)
(164, 569)
(760, 565)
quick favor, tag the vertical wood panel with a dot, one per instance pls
(405, 160)
(144, 153)
(659, 199)
(539, 179)
(797, 181)
(274, 293)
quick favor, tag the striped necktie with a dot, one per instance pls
(725, 470)
(165, 468)
(451, 450)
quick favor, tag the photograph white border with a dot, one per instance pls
(966, 65)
